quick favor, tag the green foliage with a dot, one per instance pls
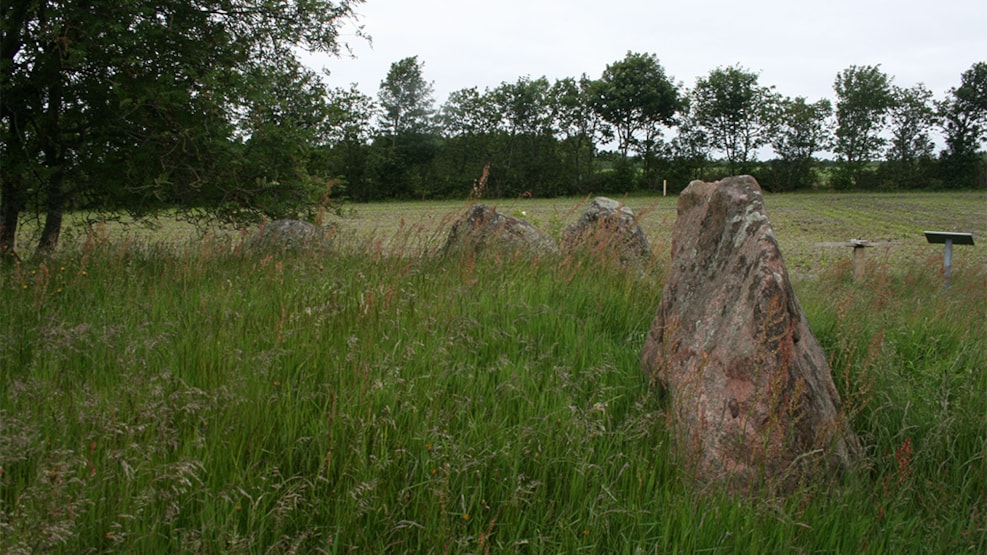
(199, 399)
(139, 104)
(912, 117)
(405, 99)
(863, 97)
(736, 113)
(635, 97)
(800, 131)
(964, 114)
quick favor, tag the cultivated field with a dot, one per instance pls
(165, 393)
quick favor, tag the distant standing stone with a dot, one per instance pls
(289, 235)
(483, 229)
(752, 396)
(608, 226)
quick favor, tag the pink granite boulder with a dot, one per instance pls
(752, 398)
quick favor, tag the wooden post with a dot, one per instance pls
(664, 187)
(859, 267)
(858, 262)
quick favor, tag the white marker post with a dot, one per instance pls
(949, 239)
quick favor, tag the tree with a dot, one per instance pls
(635, 97)
(964, 120)
(913, 117)
(407, 144)
(142, 103)
(735, 112)
(864, 96)
(575, 125)
(406, 99)
(799, 131)
(467, 120)
(523, 106)
(467, 113)
(349, 119)
(526, 164)
(690, 150)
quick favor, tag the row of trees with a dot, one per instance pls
(204, 106)
(633, 128)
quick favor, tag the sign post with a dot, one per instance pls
(949, 239)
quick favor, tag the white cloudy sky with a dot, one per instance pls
(796, 45)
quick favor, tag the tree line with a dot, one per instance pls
(634, 128)
(202, 106)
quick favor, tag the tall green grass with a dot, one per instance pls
(203, 400)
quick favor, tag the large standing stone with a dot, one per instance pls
(482, 228)
(752, 397)
(608, 226)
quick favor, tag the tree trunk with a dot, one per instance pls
(53, 218)
(54, 155)
(11, 111)
(9, 213)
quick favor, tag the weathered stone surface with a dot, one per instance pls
(752, 396)
(610, 227)
(288, 235)
(482, 229)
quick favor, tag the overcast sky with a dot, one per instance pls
(798, 46)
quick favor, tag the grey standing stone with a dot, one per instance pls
(483, 229)
(609, 228)
(289, 235)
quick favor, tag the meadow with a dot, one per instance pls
(164, 392)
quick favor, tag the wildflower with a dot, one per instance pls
(585, 531)
(466, 516)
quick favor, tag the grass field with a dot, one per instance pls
(182, 396)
